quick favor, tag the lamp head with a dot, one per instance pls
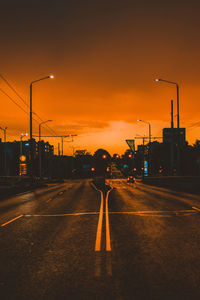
(157, 79)
(51, 76)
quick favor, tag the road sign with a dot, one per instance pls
(145, 168)
(131, 144)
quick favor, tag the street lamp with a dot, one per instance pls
(178, 146)
(149, 128)
(40, 158)
(5, 159)
(31, 120)
(31, 111)
(149, 162)
(177, 93)
(40, 125)
(4, 130)
(64, 136)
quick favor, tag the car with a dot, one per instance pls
(131, 179)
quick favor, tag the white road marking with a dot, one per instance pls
(62, 215)
(146, 212)
(4, 224)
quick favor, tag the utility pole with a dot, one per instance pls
(5, 156)
(172, 140)
(4, 130)
(31, 121)
(178, 121)
(58, 149)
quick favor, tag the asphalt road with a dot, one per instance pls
(67, 241)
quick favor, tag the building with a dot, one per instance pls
(174, 135)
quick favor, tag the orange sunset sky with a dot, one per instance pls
(105, 56)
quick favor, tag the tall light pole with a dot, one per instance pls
(4, 130)
(31, 120)
(149, 160)
(40, 156)
(177, 95)
(5, 157)
(40, 125)
(149, 124)
(69, 135)
(178, 120)
(31, 111)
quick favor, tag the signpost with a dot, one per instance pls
(131, 144)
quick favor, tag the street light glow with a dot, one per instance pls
(157, 79)
(51, 76)
(24, 134)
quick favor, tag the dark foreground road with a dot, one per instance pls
(68, 242)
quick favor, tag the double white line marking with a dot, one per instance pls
(100, 224)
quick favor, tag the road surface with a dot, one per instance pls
(68, 241)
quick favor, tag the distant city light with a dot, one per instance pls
(22, 158)
(24, 134)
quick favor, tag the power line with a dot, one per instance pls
(14, 101)
(17, 104)
(13, 89)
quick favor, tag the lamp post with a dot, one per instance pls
(40, 156)
(4, 130)
(177, 95)
(149, 128)
(40, 125)
(31, 120)
(64, 136)
(149, 160)
(178, 124)
(5, 158)
(21, 158)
